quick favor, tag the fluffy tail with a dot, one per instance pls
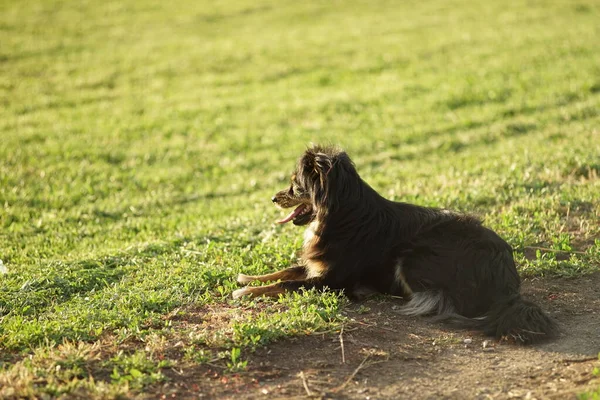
(511, 317)
(520, 319)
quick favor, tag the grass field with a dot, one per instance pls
(141, 142)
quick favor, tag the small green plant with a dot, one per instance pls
(199, 356)
(593, 394)
(236, 364)
(562, 242)
(362, 309)
(137, 369)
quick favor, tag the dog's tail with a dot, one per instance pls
(520, 319)
(512, 317)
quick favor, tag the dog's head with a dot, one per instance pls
(319, 172)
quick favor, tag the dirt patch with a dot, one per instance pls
(383, 355)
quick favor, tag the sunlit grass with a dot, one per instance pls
(141, 142)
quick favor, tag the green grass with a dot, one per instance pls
(141, 142)
(593, 394)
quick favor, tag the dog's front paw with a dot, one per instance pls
(240, 293)
(244, 279)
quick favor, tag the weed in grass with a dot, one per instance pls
(299, 313)
(236, 363)
(137, 369)
(592, 394)
(362, 309)
(196, 356)
(56, 371)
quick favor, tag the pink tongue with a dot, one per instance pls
(292, 215)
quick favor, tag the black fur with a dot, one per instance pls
(447, 263)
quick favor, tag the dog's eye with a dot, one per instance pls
(295, 189)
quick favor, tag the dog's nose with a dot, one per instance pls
(274, 199)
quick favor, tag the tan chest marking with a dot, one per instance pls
(314, 268)
(310, 234)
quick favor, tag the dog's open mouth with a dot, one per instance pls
(301, 215)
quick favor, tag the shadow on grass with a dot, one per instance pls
(431, 143)
(60, 283)
(62, 280)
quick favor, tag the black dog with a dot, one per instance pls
(446, 263)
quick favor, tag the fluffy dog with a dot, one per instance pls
(447, 264)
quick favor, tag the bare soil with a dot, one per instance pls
(383, 355)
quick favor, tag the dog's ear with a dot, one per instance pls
(323, 164)
(317, 162)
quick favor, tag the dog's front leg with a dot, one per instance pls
(275, 289)
(295, 273)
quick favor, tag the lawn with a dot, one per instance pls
(141, 142)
